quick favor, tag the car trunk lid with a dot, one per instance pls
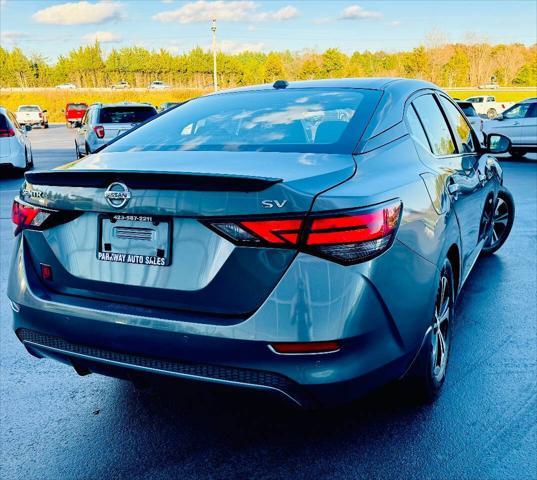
(199, 271)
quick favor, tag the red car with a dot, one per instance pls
(74, 113)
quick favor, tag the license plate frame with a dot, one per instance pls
(134, 223)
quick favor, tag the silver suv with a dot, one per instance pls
(104, 122)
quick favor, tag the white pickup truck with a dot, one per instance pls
(32, 115)
(487, 105)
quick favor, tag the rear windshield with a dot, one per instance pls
(126, 114)
(77, 106)
(294, 120)
(468, 109)
(28, 108)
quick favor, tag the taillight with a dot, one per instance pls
(26, 216)
(99, 131)
(346, 237)
(40, 115)
(9, 132)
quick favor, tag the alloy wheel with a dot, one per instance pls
(498, 223)
(440, 335)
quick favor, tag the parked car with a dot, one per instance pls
(487, 105)
(74, 112)
(66, 86)
(475, 120)
(168, 105)
(231, 241)
(519, 124)
(121, 85)
(158, 85)
(103, 122)
(32, 115)
(489, 86)
(15, 146)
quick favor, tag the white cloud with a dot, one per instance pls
(285, 13)
(395, 23)
(79, 13)
(13, 37)
(355, 12)
(103, 37)
(230, 11)
(231, 46)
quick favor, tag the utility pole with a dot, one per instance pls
(215, 81)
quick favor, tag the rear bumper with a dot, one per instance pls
(88, 359)
(359, 306)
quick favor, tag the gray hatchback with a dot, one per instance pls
(307, 239)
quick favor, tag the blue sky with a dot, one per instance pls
(53, 27)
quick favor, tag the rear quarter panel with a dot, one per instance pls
(406, 284)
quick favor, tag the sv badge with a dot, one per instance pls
(273, 203)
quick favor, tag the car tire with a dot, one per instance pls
(87, 148)
(45, 125)
(500, 222)
(78, 155)
(492, 113)
(427, 374)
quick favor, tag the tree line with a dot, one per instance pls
(447, 65)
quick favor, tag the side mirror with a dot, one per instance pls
(27, 127)
(497, 143)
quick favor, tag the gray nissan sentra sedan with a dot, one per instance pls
(307, 239)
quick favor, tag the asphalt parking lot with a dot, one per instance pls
(57, 425)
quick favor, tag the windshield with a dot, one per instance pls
(28, 108)
(77, 106)
(126, 114)
(299, 120)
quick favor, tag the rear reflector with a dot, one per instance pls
(345, 237)
(304, 347)
(46, 272)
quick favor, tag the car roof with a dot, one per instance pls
(529, 100)
(124, 104)
(376, 83)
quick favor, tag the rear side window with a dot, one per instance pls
(416, 128)
(468, 109)
(435, 125)
(126, 114)
(532, 113)
(4, 124)
(461, 129)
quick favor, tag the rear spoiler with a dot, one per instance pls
(151, 180)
